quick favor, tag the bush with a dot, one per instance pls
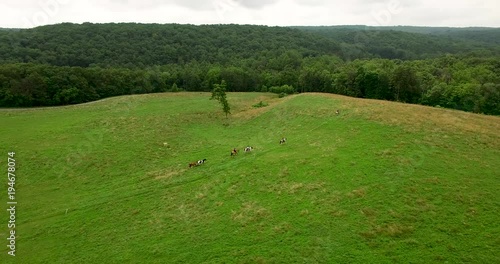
(260, 104)
(286, 89)
(175, 89)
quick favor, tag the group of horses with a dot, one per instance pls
(234, 152)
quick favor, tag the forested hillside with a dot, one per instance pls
(139, 45)
(132, 45)
(409, 43)
(478, 34)
(69, 63)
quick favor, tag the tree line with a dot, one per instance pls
(469, 84)
(71, 63)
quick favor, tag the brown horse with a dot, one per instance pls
(193, 164)
(234, 152)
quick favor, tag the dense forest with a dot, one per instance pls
(140, 45)
(406, 44)
(71, 63)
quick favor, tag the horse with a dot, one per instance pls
(234, 152)
(248, 149)
(197, 163)
(282, 141)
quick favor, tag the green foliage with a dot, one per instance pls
(405, 84)
(286, 89)
(68, 96)
(175, 88)
(410, 43)
(134, 45)
(468, 84)
(260, 104)
(219, 94)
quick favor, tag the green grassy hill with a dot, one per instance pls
(382, 182)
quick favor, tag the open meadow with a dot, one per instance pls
(381, 182)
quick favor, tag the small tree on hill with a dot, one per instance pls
(219, 93)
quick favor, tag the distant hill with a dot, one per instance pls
(154, 44)
(479, 34)
(139, 45)
(411, 42)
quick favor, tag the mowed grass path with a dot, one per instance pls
(382, 182)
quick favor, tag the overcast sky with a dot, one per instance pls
(459, 13)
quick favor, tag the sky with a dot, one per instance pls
(458, 13)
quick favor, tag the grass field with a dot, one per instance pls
(383, 182)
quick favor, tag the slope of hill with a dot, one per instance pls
(381, 182)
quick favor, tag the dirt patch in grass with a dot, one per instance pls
(249, 212)
(166, 174)
(249, 111)
(282, 228)
(296, 187)
(369, 212)
(358, 193)
(390, 230)
(187, 213)
(338, 213)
